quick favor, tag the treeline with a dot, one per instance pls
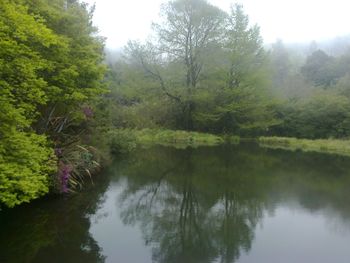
(314, 92)
(51, 74)
(207, 70)
(203, 70)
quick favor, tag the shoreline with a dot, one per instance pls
(330, 146)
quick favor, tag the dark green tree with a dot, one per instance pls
(24, 155)
(319, 70)
(243, 102)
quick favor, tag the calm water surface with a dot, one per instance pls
(239, 204)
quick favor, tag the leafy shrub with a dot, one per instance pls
(76, 163)
(175, 138)
(26, 161)
(121, 141)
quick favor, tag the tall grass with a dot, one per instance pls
(75, 163)
(176, 138)
(121, 141)
(341, 147)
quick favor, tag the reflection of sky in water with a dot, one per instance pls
(287, 233)
(119, 243)
(295, 235)
(238, 204)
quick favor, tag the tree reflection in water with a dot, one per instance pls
(190, 209)
(193, 205)
(53, 230)
(203, 205)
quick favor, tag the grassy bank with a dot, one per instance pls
(341, 147)
(176, 138)
(126, 140)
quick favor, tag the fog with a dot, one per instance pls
(289, 20)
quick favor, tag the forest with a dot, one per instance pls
(66, 102)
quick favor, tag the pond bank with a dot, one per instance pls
(333, 146)
(125, 140)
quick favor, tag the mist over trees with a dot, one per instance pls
(203, 69)
(312, 89)
(208, 70)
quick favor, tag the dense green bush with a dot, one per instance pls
(24, 155)
(26, 160)
(50, 72)
(325, 114)
(121, 141)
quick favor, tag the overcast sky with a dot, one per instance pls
(289, 20)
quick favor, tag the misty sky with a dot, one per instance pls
(290, 20)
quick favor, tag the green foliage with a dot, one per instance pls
(26, 160)
(341, 147)
(243, 104)
(319, 69)
(343, 86)
(322, 115)
(23, 38)
(315, 96)
(180, 139)
(75, 76)
(126, 140)
(76, 162)
(175, 64)
(121, 141)
(50, 71)
(208, 73)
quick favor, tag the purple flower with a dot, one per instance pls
(88, 112)
(64, 174)
(58, 152)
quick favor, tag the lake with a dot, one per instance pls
(241, 203)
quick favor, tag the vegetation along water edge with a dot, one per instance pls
(126, 140)
(333, 146)
(68, 101)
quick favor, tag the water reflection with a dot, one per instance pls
(52, 230)
(220, 204)
(204, 205)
